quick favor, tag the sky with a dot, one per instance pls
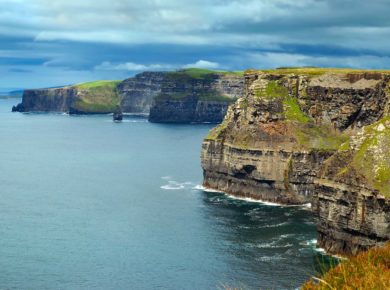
(46, 43)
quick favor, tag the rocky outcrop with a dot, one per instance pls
(195, 96)
(277, 142)
(352, 193)
(99, 97)
(185, 96)
(137, 93)
(47, 100)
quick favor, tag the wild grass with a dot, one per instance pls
(315, 71)
(369, 270)
(98, 96)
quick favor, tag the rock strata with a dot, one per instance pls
(284, 139)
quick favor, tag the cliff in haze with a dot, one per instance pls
(310, 136)
(185, 96)
(195, 96)
(87, 98)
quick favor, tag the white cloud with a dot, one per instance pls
(136, 67)
(131, 66)
(202, 64)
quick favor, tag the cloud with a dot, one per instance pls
(116, 38)
(137, 67)
(202, 64)
(131, 66)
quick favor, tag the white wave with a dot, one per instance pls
(274, 225)
(252, 200)
(174, 185)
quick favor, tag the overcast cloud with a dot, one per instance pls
(52, 42)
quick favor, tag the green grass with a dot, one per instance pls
(98, 84)
(372, 158)
(98, 97)
(271, 91)
(292, 111)
(315, 71)
(215, 133)
(201, 74)
(319, 137)
(368, 270)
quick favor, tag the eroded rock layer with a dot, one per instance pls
(280, 142)
(195, 98)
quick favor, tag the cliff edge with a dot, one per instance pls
(284, 139)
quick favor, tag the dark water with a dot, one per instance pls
(87, 203)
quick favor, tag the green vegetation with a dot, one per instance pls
(314, 71)
(372, 158)
(98, 97)
(320, 137)
(271, 91)
(199, 73)
(368, 270)
(215, 133)
(292, 111)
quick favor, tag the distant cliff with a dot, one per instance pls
(191, 95)
(311, 136)
(194, 96)
(137, 93)
(88, 98)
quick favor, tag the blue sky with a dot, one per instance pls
(52, 42)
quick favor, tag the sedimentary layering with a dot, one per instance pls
(137, 93)
(193, 96)
(185, 96)
(310, 135)
(87, 98)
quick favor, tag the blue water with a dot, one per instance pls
(88, 203)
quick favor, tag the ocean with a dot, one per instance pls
(86, 203)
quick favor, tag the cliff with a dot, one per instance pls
(190, 95)
(88, 98)
(137, 93)
(281, 141)
(196, 96)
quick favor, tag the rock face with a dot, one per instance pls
(99, 97)
(185, 96)
(195, 98)
(280, 142)
(352, 194)
(47, 100)
(137, 93)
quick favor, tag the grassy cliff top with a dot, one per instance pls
(97, 84)
(368, 270)
(98, 97)
(313, 71)
(200, 73)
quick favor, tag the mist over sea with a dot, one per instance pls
(88, 203)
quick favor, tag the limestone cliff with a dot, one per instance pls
(195, 96)
(191, 95)
(137, 93)
(274, 143)
(87, 98)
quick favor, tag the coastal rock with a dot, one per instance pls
(195, 96)
(137, 93)
(277, 144)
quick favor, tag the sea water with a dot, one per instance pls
(86, 203)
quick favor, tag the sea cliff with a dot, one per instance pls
(290, 140)
(195, 96)
(184, 96)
